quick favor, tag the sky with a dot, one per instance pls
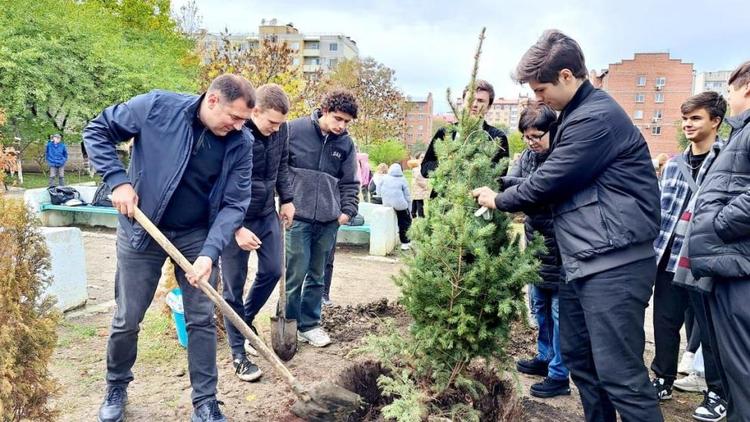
(430, 44)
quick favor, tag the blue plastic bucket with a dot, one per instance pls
(174, 301)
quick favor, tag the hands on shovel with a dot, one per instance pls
(201, 271)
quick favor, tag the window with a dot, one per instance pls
(333, 63)
(640, 97)
(333, 46)
(312, 60)
(657, 115)
(312, 45)
(661, 81)
(638, 114)
(295, 46)
(295, 61)
(659, 97)
(642, 80)
(656, 130)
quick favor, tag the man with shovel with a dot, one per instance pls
(190, 174)
(260, 231)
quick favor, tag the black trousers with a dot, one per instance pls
(602, 342)
(404, 222)
(729, 306)
(417, 208)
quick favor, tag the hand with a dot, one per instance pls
(125, 199)
(201, 271)
(286, 212)
(247, 240)
(343, 219)
(485, 197)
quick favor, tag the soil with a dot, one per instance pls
(363, 294)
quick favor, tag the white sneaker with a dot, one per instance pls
(250, 350)
(316, 337)
(693, 383)
(686, 363)
(405, 246)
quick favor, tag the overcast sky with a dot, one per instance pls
(430, 44)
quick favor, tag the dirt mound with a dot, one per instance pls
(350, 323)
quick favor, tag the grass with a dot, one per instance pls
(157, 342)
(73, 332)
(39, 180)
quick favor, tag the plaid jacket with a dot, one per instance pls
(675, 192)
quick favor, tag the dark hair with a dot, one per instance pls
(740, 76)
(272, 97)
(712, 102)
(231, 87)
(538, 116)
(482, 85)
(340, 100)
(553, 52)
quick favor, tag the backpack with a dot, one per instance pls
(102, 196)
(59, 195)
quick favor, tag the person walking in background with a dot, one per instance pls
(395, 193)
(380, 171)
(365, 174)
(56, 156)
(420, 188)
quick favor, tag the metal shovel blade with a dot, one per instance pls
(284, 337)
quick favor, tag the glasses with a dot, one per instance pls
(534, 138)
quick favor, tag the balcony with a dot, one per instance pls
(311, 68)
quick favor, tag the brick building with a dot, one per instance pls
(651, 87)
(418, 121)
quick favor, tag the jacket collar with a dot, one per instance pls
(583, 91)
(738, 122)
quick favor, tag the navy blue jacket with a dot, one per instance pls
(601, 184)
(161, 124)
(270, 171)
(56, 154)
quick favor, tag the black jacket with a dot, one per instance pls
(539, 220)
(720, 238)
(324, 173)
(270, 171)
(602, 186)
(430, 161)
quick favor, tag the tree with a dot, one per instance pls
(189, 20)
(388, 151)
(464, 284)
(516, 143)
(382, 106)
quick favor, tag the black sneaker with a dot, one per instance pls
(713, 408)
(113, 406)
(551, 387)
(663, 389)
(208, 412)
(532, 367)
(245, 369)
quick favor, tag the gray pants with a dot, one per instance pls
(58, 172)
(136, 280)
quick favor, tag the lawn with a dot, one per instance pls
(39, 180)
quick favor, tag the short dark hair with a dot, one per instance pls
(538, 116)
(553, 52)
(231, 87)
(740, 76)
(482, 85)
(340, 100)
(712, 102)
(272, 97)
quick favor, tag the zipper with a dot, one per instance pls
(320, 168)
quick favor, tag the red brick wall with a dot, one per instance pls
(419, 114)
(622, 85)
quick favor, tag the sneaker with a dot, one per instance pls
(245, 369)
(693, 383)
(113, 406)
(249, 349)
(327, 301)
(208, 412)
(405, 246)
(533, 366)
(713, 408)
(316, 337)
(686, 363)
(663, 390)
(551, 387)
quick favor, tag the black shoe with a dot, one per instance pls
(208, 412)
(245, 369)
(713, 408)
(663, 389)
(113, 406)
(532, 367)
(551, 387)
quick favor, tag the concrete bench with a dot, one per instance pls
(68, 266)
(380, 230)
(59, 215)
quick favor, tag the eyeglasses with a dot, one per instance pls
(534, 138)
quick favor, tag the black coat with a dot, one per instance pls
(539, 220)
(601, 184)
(430, 160)
(720, 238)
(270, 171)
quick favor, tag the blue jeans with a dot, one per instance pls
(307, 248)
(546, 308)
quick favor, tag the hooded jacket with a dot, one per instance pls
(394, 190)
(323, 170)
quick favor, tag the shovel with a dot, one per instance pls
(324, 402)
(283, 331)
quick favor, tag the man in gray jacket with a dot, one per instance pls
(719, 247)
(325, 186)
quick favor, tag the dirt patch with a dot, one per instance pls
(351, 322)
(535, 411)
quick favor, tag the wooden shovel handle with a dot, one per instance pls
(227, 310)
